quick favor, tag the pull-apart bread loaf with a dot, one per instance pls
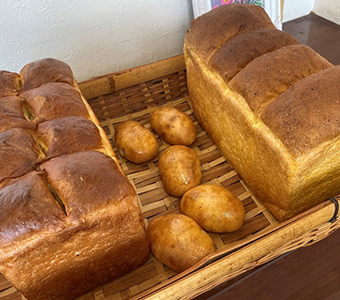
(271, 105)
(70, 220)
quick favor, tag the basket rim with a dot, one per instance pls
(311, 220)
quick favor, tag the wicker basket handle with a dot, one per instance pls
(335, 216)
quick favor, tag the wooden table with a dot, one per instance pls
(311, 273)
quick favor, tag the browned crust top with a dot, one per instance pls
(87, 181)
(27, 206)
(238, 52)
(9, 83)
(45, 70)
(290, 86)
(269, 75)
(68, 135)
(307, 114)
(55, 100)
(12, 114)
(19, 153)
(211, 31)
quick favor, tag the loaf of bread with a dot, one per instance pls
(70, 219)
(270, 104)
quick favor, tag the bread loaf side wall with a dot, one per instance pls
(317, 178)
(242, 138)
(79, 259)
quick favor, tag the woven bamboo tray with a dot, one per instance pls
(132, 95)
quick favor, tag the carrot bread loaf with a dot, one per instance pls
(70, 220)
(270, 104)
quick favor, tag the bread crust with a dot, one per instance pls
(10, 83)
(39, 72)
(239, 51)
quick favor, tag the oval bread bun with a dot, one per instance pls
(173, 126)
(180, 169)
(178, 241)
(135, 142)
(214, 208)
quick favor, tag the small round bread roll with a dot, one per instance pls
(178, 241)
(173, 126)
(135, 142)
(214, 208)
(180, 169)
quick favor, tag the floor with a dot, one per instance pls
(320, 34)
(313, 272)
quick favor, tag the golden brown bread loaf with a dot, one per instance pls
(269, 103)
(70, 220)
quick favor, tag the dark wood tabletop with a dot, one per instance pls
(309, 273)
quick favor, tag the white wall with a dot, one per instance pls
(328, 9)
(93, 37)
(294, 9)
(102, 36)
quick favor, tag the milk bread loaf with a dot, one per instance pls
(270, 104)
(70, 219)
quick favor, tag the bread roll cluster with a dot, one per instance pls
(180, 240)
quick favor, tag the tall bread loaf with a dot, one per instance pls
(70, 219)
(270, 104)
